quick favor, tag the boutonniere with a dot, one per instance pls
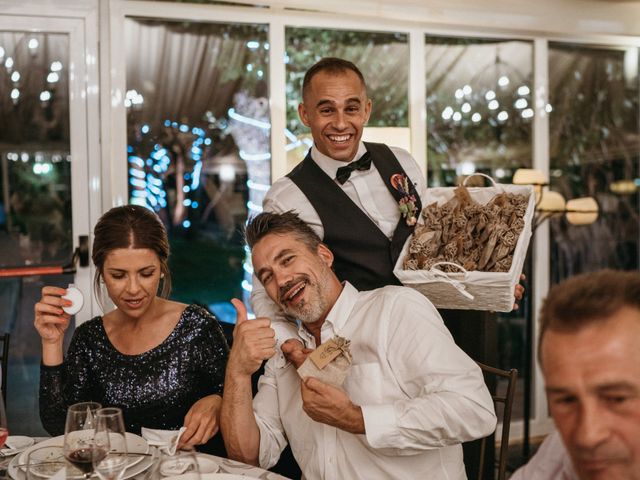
(407, 202)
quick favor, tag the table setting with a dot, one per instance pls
(96, 446)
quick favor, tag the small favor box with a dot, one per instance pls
(330, 362)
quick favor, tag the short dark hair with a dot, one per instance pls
(130, 226)
(588, 298)
(266, 223)
(331, 65)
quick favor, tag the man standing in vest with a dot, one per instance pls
(343, 189)
(348, 191)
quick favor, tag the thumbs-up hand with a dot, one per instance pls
(253, 342)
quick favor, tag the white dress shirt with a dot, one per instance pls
(420, 395)
(551, 462)
(366, 189)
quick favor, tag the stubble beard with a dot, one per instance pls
(313, 310)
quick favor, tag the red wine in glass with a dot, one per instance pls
(84, 458)
(80, 444)
(4, 433)
(4, 430)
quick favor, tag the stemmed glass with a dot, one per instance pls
(4, 427)
(184, 463)
(110, 431)
(80, 444)
(44, 462)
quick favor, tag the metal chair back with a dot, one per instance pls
(507, 400)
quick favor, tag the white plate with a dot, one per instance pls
(135, 444)
(209, 476)
(18, 473)
(16, 444)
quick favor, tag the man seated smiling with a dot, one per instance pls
(410, 398)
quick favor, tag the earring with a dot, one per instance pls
(162, 275)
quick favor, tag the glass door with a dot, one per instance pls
(44, 187)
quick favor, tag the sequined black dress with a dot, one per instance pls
(154, 389)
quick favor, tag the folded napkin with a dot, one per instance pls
(16, 444)
(166, 440)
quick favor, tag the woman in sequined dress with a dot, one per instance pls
(161, 361)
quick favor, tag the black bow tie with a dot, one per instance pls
(343, 173)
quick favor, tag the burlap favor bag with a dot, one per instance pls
(330, 362)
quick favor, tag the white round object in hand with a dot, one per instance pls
(75, 296)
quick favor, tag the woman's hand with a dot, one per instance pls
(50, 320)
(202, 421)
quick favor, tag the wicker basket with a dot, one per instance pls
(471, 290)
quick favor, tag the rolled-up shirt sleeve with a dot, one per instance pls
(265, 408)
(447, 399)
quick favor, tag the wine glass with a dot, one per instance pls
(80, 446)
(44, 462)
(183, 463)
(4, 427)
(110, 432)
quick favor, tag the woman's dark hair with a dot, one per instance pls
(130, 226)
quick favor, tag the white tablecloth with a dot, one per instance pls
(226, 466)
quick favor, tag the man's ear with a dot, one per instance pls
(367, 110)
(325, 254)
(302, 113)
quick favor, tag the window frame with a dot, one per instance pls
(113, 82)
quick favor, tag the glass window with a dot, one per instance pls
(595, 152)
(198, 145)
(479, 107)
(383, 59)
(35, 199)
(479, 119)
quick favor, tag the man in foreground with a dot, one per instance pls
(410, 398)
(590, 357)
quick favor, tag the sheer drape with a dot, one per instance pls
(183, 71)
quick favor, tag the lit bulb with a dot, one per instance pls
(8, 63)
(457, 117)
(56, 66)
(527, 113)
(523, 90)
(476, 117)
(53, 77)
(33, 43)
(467, 89)
(503, 116)
(45, 96)
(15, 76)
(15, 94)
(503, 81)
(447, 113)
(490, 95)
(459, 94)
(466, 108)
(493, 105)
(521, 103)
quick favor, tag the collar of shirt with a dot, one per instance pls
(331, 166)
(337, 317)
